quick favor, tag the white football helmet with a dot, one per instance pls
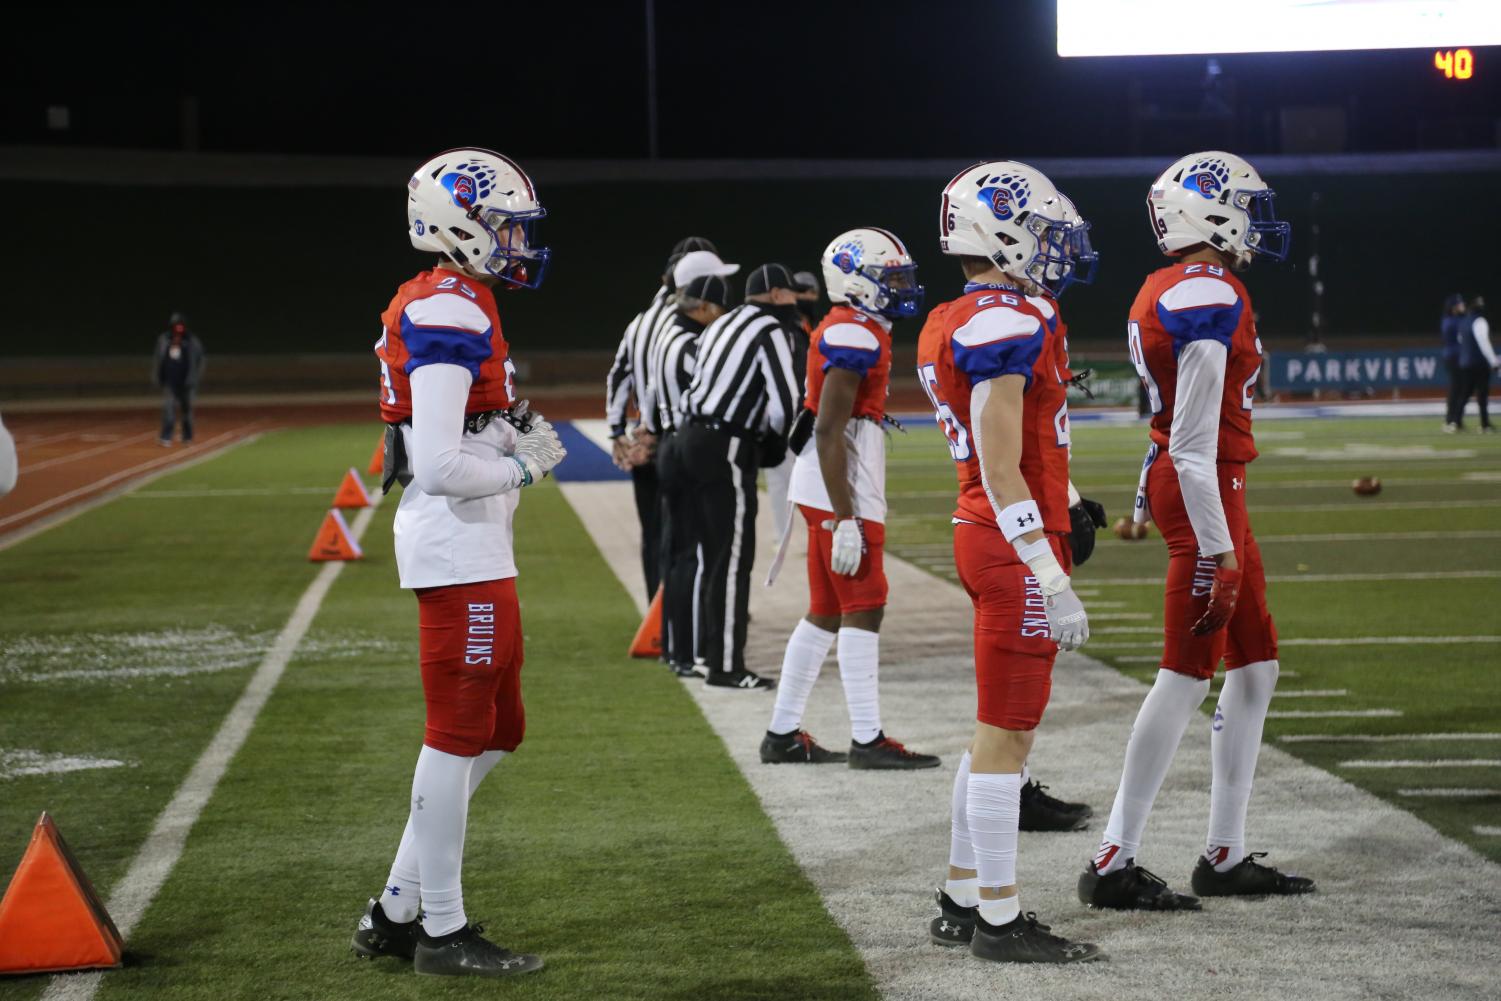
(1216, 199)
(1011, 214)
(872, 269)
(478, 209)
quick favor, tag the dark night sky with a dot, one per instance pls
(776, 78)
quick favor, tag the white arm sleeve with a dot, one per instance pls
(1194, 441)
(8, 464)
(439, 464)
(1483, 339)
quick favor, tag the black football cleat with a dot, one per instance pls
(377, 935)
(1131, 889)
(739, 679)
(797, 747)
(1247, 878)
(883, 753)
(1026, 940)
(954, 925)
(1041, 812)
(467, 953)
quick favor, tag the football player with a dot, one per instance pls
(840, 487)
(989, 363)
(1194, 345)
(463, 449)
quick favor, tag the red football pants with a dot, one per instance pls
(833, 594)
(1250, 636)
(1014, 651)
(470, 650)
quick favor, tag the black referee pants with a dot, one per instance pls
(644, 480)
(678, 560)
(1477, 383)
(720, 472)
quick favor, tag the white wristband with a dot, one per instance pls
(1039, 558)
(1018, 519)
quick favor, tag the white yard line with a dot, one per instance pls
(153, 863)
(245, 492)
(1097, 639)
(1486, 831)
(1425, 763)
(1380, 738)
(1333, 713)
(1380, 536)
(210, 451)
(1449, 793)
(1310, 693)
(1320, 578)
(17, 762)
(874, 844)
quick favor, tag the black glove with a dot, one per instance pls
(802, 430)
(771, 449)
(1084, 518)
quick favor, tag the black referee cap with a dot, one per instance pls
(768, 277)
(709, 288)
(688, 243)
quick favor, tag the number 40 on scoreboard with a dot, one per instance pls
(1455, 64)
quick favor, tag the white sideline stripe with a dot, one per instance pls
(1379, 536)
(246, 492)
(1150, 658)
(88, 453)
(1311, 693)
(1112, 616)
(1449, 793)
(1333, 713)
(1429, 763)
(1379, 738)
(1334, 641)
(1321, 578)
(53, 520)
(162, 848)
(872, 843)
(1377, 505)
(1486, 831)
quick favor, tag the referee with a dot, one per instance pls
(626, 382)
(738, 409)
(671, 365)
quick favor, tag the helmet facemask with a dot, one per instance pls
(1066, 255)
(515, 257)
(897, 295)
(1266, 235)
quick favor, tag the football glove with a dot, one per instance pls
(1084, 517)
(1067, 620)
(521, 416)
(1222, 595)
(848, 548)
(538, 451)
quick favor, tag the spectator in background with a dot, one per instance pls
(1450, 328)
(778, 477)
(1477, 359)
(9, 466)
(177, 368)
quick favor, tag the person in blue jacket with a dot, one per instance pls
(1477, 360)
(1449, 330)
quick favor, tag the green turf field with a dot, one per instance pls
(621, 842)
(1439, 513)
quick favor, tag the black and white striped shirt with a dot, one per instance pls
(745, 376)
(629, 372)
(671, 364)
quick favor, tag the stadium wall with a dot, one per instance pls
(297, 256)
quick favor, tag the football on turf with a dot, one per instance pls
(1125, 528)
(1366, 486)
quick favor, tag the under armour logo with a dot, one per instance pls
(417, 802)
(1219, 719)
(944, 926)
(394, 891)
(1236, 483)
(1025, 521)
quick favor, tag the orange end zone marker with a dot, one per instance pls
(378, 460)
(351, 492)
(648, 641)
(51, 920)
(334, 541)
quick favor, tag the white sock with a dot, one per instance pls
(964, 892)
(440, 807)
(859, 669)
(1026, 773)
(401, 899)
(1159, 727)
(1235, 743)
(1001, 912)
(993, 805)
(806, 649)
(961, 854)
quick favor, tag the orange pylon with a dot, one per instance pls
(50, 918)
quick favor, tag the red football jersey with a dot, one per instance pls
(442, 317)
(987, 333)
(1183, 303)
(850, 339)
